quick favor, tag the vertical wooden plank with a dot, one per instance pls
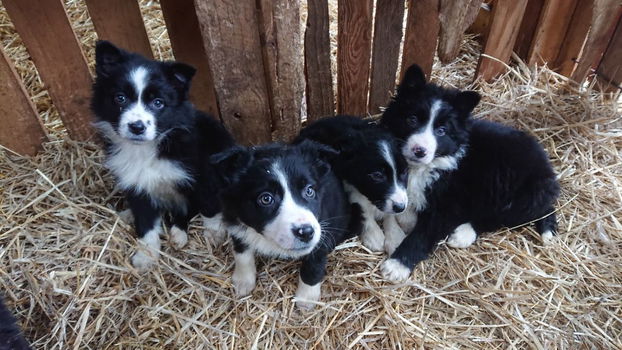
(528, 28)
(506, 20)
(231, 40)
(609, 70)
(52, 44)
(320, 97)
(422, 29)
(575, 37)
(120, 22)
(185, 35)
(604, 19)
(21, 129)
(552, 28)
(284, 64)
(387, 39)
(455, 17)
(353, 53)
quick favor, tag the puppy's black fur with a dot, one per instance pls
(10, 335)
(157, 144)
(481, 177)
(284, 201)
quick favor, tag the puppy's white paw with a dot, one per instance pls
(462, 237)
(548, 238)
(215, 231)
(143, 260)
(179, 237)
(243, 282)
(393, 239)
(373, 238)
(393, 270)
(307, 295)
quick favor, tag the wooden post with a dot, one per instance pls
(320, 96)
(231, 40)
(120, 22)
(21, 130)
(455, 17)
(575, 38)
(387, 39)
(604, 19)
(422, 30)
(552, 28)
(185, 34)
(528, 28)
(43, 27)
(353, 52)
(609, 70)
(506, 19)
(284, 64)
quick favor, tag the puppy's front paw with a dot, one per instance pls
(373, 239)
(307, 296)
(548, 238)
(393, 270)
(393, 239)
(179, 237)
(143, 260)
(462, 237)
(215, 232)
(243, 282)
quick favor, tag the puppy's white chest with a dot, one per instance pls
(138, 167)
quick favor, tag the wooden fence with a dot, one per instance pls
(256, 65)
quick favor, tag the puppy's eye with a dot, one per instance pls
(440, 131)
(309, 192)
(412, 120)
(120, 99)
(157, 103)
(265, 199)
(377, 176)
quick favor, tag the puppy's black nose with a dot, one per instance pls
(398, 207)
(419, 152)
(303, 232)
(137, 127)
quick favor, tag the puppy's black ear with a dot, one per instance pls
(321, 155)
(181, 74)
(414, 80)
(465, 101)
(107, 57)
(232, 162)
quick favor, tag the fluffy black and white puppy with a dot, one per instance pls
(466, 176)
(157, 145)
(373, 170)
(284, 201)
(11, 337)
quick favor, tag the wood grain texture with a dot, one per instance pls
(574, 40)
(21, 130)
(506, 19)
(231, 40)
(604, 19)
(609, 70)
(43, 26)
(353, 55)
(386, 48)
(320, 96)
(528, 28)
(185, 34)
(120, 22)
(455, 17)
(422, 30)
(284, 65)
(552, 28)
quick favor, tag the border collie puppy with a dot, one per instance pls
(466, 176)
(373, 171)
(157, 145)
(284, 201)
(11, 337)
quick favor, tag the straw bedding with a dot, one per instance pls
(64, 250)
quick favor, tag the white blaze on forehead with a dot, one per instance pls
(398, 193)
(289, 214)
(137, 111)
(425, 137)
